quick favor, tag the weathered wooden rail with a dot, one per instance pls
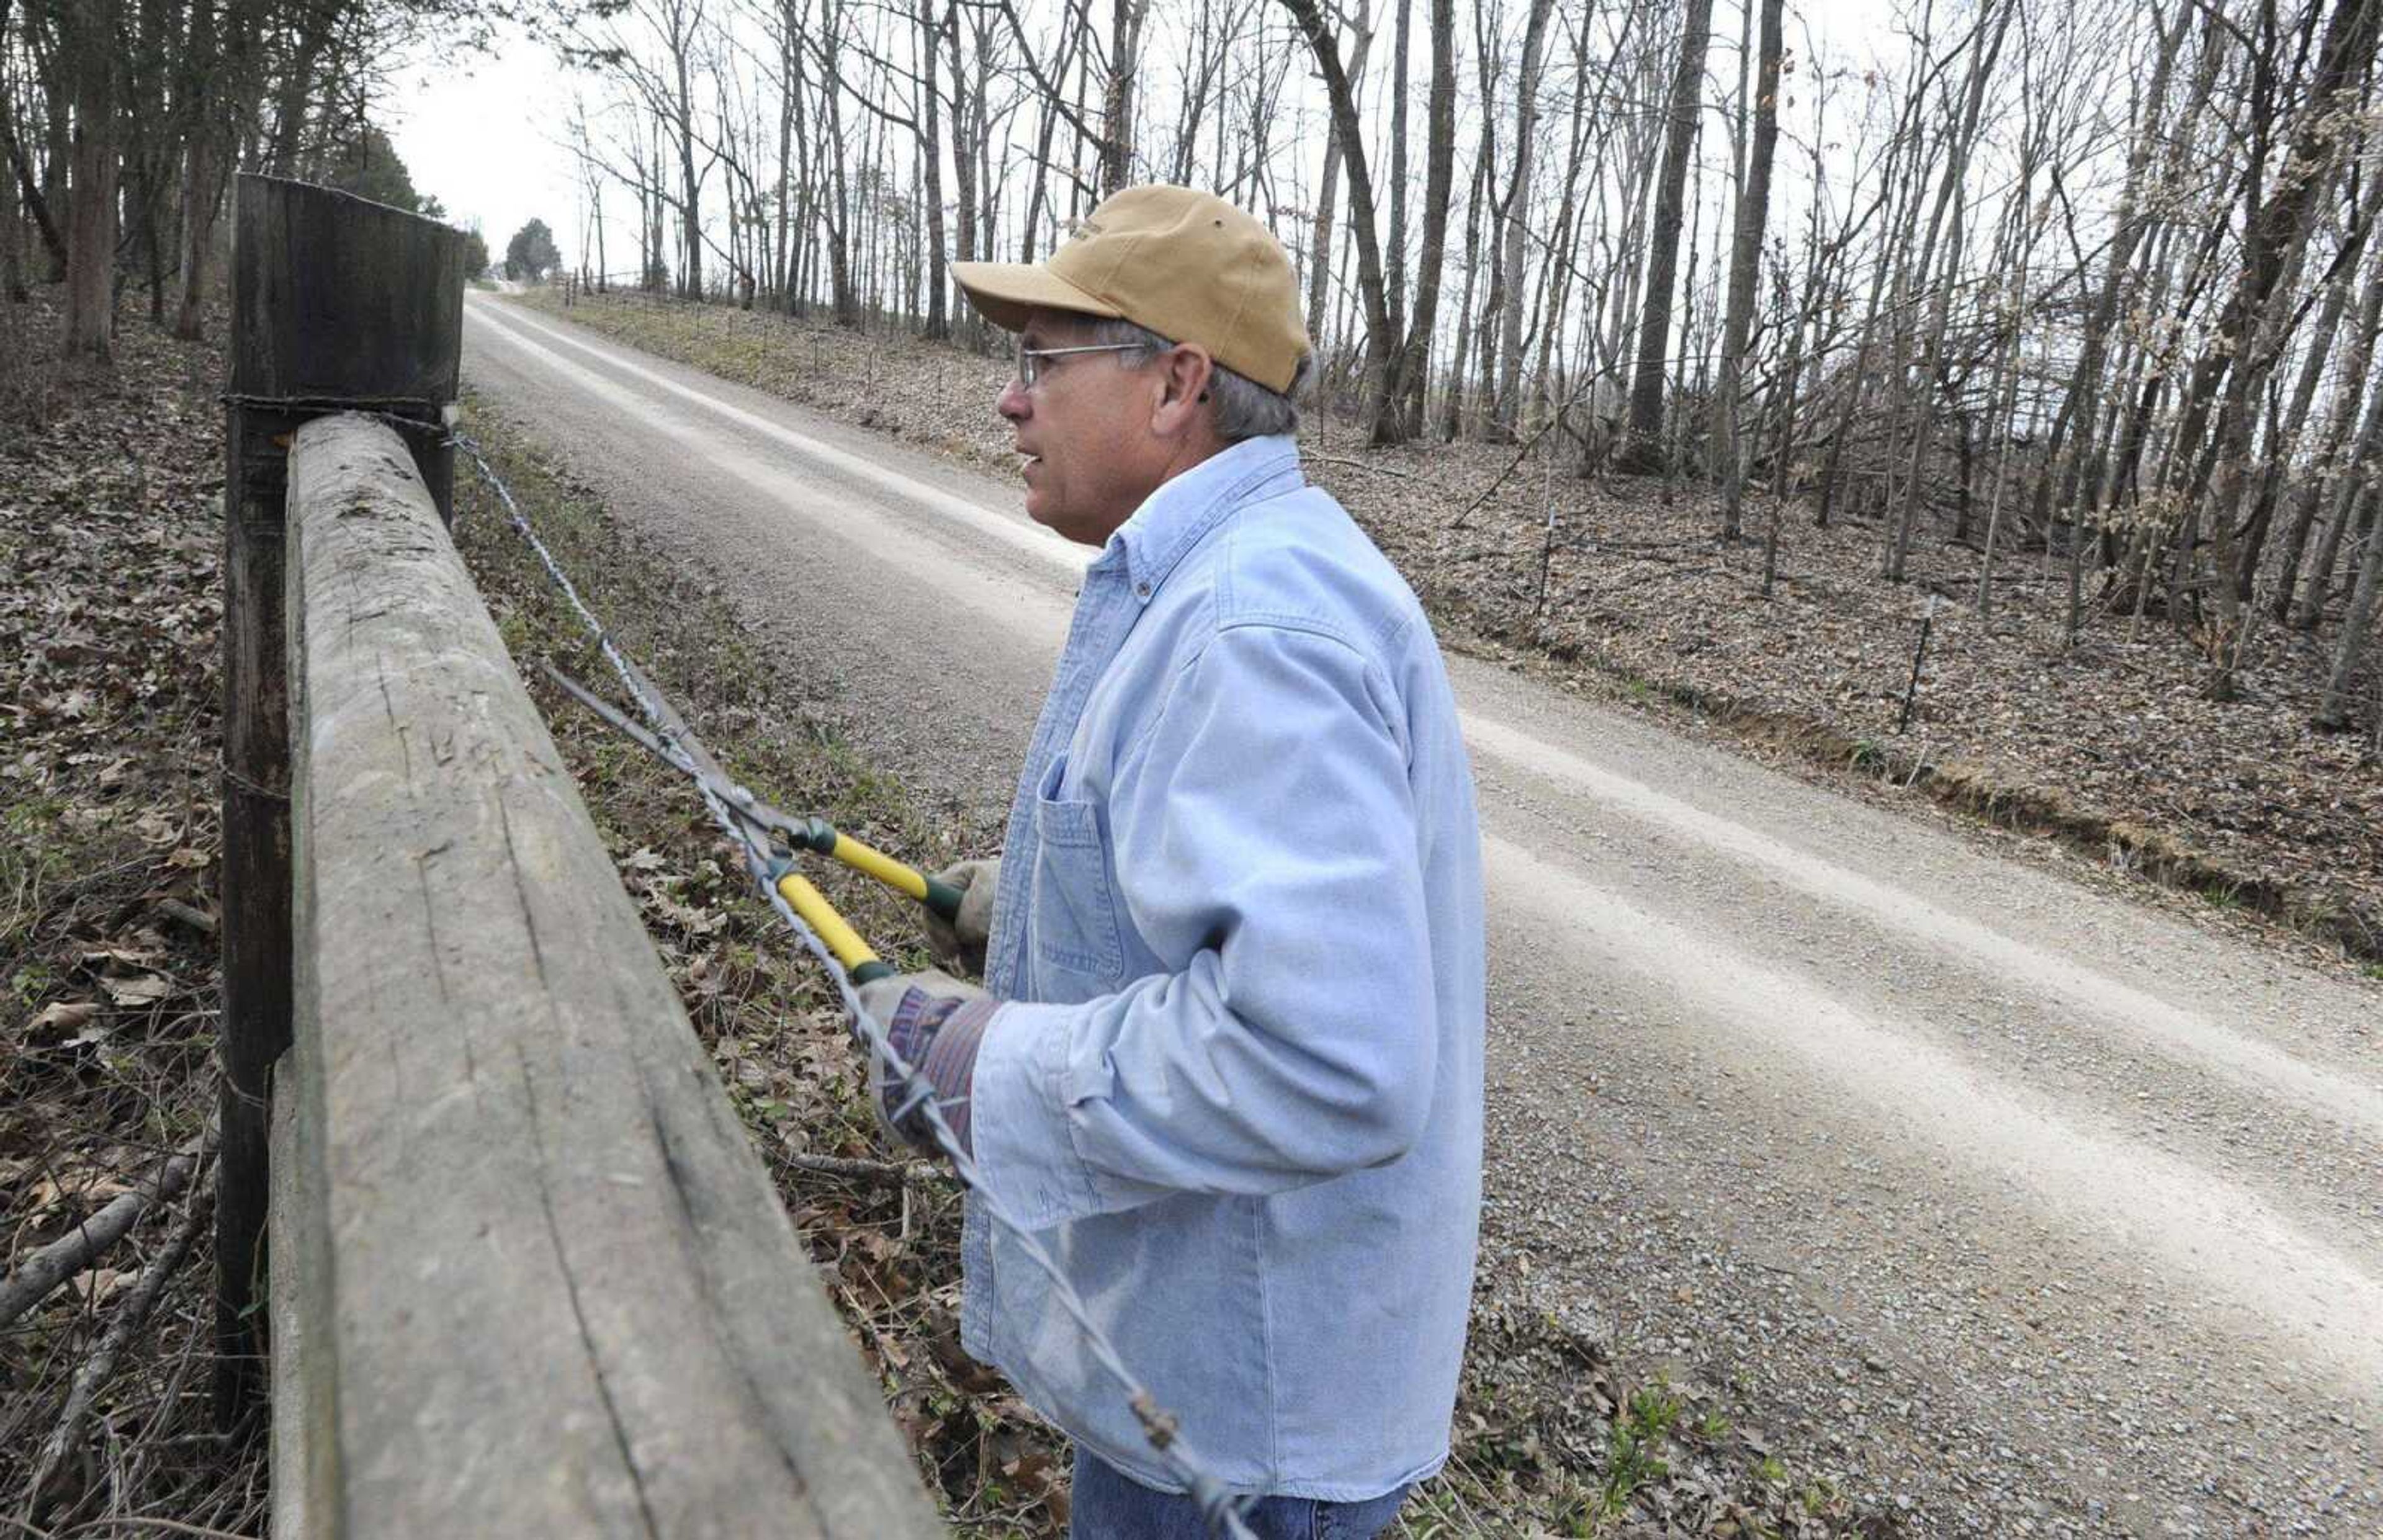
(529, 1276)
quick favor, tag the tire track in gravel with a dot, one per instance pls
(2031, 1136)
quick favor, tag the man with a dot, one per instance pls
(1229, 1065)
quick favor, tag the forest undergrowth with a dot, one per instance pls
(111, 527)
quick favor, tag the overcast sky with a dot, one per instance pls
(480, 132)
(475, 130)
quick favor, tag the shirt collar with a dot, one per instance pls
(1172, 519)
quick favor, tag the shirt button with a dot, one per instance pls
(1142, 589)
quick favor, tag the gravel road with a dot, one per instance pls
(2002, 1202)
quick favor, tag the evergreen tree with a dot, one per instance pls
(531, 253)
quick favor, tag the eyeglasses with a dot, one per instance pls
(1030, 360)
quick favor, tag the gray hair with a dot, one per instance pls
(1243, 408)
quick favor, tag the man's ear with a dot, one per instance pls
(1187, 372)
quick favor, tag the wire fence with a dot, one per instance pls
(1220, 1509)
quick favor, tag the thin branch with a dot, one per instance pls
(82, 1246)
(878, 1173)
(128, 1318)
(1357, 465)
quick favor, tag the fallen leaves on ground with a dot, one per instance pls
(111, 482)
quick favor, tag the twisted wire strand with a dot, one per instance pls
(1219, 1508)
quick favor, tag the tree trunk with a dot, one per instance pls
(17, 184)
(20, 169)
(1403, 416)
(1556, 270)
(163, 113)
(2328, 468)
(1319, 260)
(2004, 414)
(836, 209)
(57, 82)
(2357, 479)
(2284, 435)
(2123, 471)
(1745, 263)
(90, 240)
(1645, 452)
(12, 234)
(1900, 197)
(12, 244)
(2333, 710)
(1037, 199)
(930, 146)
(1954, 188)
(2132, 220)
(968, 137)
(2276, 231)
(1622, 313)
(1394, 249)
(1515, 253)
(655, 265)
(297, 89)
(789, 112)
(690, 183)
(1117, 99)
(988, 182)
(201, 197)
(1452, 406)
(1381, 339)
(802, 261)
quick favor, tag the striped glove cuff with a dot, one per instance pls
(938, 1035)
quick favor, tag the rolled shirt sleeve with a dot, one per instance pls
(1266, 845)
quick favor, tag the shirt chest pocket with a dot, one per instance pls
(1074, 939)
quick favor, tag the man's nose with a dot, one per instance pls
(1011, 403)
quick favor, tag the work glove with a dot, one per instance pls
(961, 943)
(937, 1023)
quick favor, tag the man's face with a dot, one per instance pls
(1086, 429)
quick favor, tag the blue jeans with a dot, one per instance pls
(1110, 1506)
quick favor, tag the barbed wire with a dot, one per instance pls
(1219, 1508)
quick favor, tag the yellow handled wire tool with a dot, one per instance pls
(784, 834)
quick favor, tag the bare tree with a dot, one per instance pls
(2328, 468)
(89, 41)
(1358, 27)
(1645, 451)
(2333, 707)
(1744, 260)
(1953, 191)
(1512, 248)
(1126, 18)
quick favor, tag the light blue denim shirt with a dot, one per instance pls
(1238, 1089)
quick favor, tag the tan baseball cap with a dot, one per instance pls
(1187, 264)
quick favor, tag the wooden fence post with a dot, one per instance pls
(338, 304)
(530, 1273)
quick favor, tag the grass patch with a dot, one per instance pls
(1554, 1436)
